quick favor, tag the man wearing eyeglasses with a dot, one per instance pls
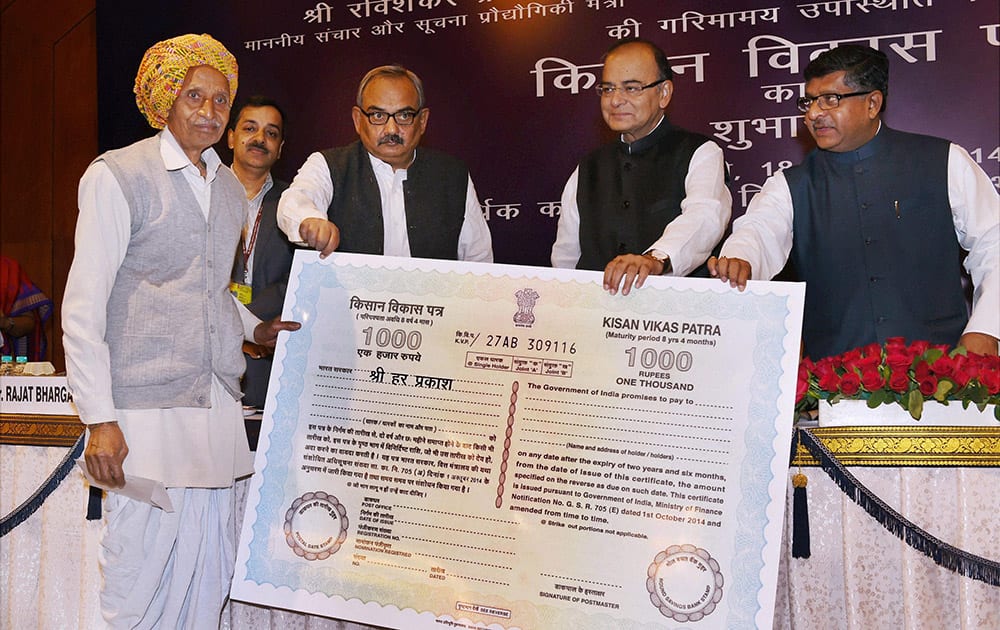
(380, 195)
(874, 221)
(655, 201)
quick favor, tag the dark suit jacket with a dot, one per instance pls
(272, 260)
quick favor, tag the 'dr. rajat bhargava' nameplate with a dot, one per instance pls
(458, 445)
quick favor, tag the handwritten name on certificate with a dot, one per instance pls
(459, 445)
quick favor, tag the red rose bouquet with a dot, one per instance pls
(907, 375)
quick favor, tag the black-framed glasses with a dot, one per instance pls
(826, 101)
(631, 88)
(403, 118)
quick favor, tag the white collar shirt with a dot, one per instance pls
(396, 240)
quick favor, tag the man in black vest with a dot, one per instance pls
(380, 195)
(653, 202)
(260, 274)
(874, 220)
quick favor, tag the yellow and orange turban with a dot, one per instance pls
(165, 65)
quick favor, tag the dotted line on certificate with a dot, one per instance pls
(383, 402)
(482, 564)
(395, 392)
(396, 566)
(475, 579)
(475, 433)
(487, 383)
(605, 406)
(588, 426)
(394, 415)
(472, 516)
(639, 410)
(451, 544)
(455, 529)
(411, 406)
(700, 461)
(564, 577)
(599, 417)
(478, 434)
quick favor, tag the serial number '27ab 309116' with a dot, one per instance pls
(513, 342)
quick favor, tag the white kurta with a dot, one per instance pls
(688, 239)
(763, 236)
(311, 193)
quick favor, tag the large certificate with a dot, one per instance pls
(458, 445)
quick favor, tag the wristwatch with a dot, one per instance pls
(661, 258)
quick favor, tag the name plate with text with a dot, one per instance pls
(36, 395)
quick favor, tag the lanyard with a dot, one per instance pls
(249, 243)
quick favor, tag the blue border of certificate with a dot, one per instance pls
(769, 311)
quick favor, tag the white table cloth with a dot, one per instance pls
(859, 577)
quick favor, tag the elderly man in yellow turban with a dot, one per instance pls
(153, 343)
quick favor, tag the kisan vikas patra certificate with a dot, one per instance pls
(459, 445)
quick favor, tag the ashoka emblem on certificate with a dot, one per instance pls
(526, 299)
(316, 525)
(684, 582)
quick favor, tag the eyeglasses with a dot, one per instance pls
(403, 118)
(632, 88)
(825, 101)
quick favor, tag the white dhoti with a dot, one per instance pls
(173, 569)
(167, 569)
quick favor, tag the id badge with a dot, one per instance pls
(243, 292)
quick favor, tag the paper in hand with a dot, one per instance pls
(137, 488)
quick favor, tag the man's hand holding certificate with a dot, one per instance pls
(462, 445)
